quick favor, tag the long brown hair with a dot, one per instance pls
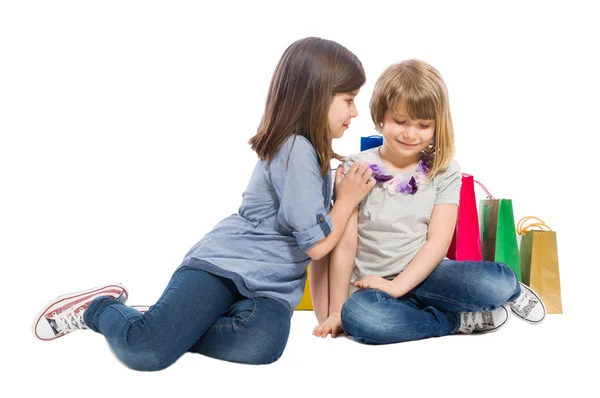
(310, 72)
(426, 96)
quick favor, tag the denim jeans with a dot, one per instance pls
(432, 308)
(198, 312)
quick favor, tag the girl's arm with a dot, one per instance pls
(439, 237)
(319, 287)
(341, 265)
(350, 190)
(298, 184)
(340, 273)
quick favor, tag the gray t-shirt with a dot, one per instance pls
(392, 227)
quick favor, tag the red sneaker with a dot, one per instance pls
(64, 314)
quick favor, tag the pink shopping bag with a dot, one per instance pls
(466, 242)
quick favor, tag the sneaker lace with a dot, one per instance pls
(520, 303)
(473, 320)
(70, 321)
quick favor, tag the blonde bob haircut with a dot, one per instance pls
(423, 89)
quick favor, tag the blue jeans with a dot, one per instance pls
(198, 312)
(432, 308)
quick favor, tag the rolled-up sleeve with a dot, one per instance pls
(296, 178)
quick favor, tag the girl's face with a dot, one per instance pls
(341, 110)
(406, 137)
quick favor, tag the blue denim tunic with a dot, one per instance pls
(284, 212)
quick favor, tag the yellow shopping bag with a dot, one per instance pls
(539, 262)
(306, 301)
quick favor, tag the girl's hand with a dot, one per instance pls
(355, 186)
(379, 283)
(332, 325)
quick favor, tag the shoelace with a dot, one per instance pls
(473, 319)
(520, 303)
(70, 321)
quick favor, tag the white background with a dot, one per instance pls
(124, 129)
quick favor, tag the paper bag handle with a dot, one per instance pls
(522, 228)
(489, 195)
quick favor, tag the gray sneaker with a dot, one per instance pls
(528, 306)
(483, 321)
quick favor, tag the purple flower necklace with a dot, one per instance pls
(405, 187)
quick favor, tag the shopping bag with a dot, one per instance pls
(498, 232)
(538, 255)
(306, 301)
(371, 141)
(466, 241)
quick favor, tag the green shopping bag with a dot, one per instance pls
(498, 232)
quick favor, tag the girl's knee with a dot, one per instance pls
(258, 351)
(364, 318)
(364, 331)
(262, 356)
(268, 341)
(144, 360)
(502, 286)
(355, 308)
(352, 314)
